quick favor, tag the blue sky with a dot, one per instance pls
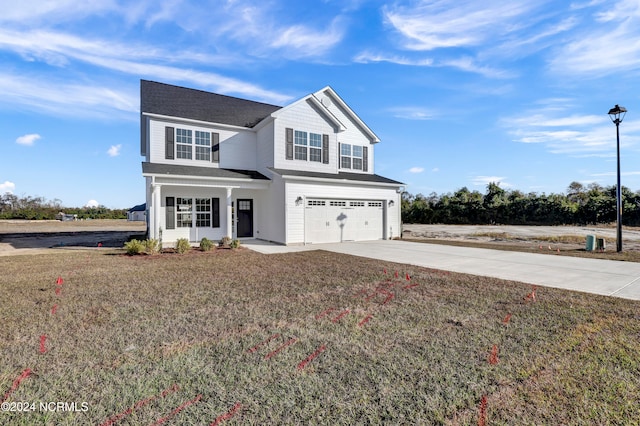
(460, 92)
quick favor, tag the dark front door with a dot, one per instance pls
(245, 218)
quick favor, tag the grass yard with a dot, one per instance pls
(237, 337)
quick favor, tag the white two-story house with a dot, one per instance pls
(220, 166)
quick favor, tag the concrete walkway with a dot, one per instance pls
(606, 277)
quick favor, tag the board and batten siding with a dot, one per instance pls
(305, 118)
(237, 148)
(296, 213)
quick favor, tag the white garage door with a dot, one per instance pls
(332, 220)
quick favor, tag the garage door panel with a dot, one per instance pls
(328, 220)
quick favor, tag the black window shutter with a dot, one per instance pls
(365, 159)
(215, 213)
(215, 147)
(339, 155)
(170, 213)
(169, 142)
(289, 153)
(325, 149)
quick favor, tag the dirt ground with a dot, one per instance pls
(524, 235)
(32, 237)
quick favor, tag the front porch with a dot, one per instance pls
(194, 207)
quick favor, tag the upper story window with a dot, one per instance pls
(206, 145)
(306, 146)
(315, 147)
(183, 143)
(352, 157)
(203, 146)
(300, 145)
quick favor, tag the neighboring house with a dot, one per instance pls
(220, 166)
(137, 213)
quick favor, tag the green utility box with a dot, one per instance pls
(591, 243)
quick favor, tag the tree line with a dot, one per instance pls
(38, 208)
(581, 205)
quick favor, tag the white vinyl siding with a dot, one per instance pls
(237, 148)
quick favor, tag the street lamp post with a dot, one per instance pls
(617, 114)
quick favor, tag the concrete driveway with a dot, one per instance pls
(606, 277)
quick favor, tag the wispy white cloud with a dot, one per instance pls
(28, 140)
(302, 41)
(92, 203)
(36, 11)
(465, 63)
(435, 170)
(565, 132)
(7, 187)
(416, 170)
(114, 150)
(61, 98)
(368, 56)
(606, 46)
(430, 25)
(486, 180)
(58, 49)
(412, 113)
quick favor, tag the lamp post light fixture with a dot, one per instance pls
(617, 114)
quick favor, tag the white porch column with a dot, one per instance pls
(154, 211)
(229, 218)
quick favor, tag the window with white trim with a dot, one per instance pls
(345, 156)
(351, 156)
(203, 212)
(203, 146)
(357, 157)
(300, 145)
(184, 207)
(307, 146)
(183, 143)
(315, 147)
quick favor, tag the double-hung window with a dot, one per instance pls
(300, 142)
(315, 147)
(351, 156)
(184, 212)
(203, 212)
(203, 146)
(345, 156)
(183, 143)
(356, 163)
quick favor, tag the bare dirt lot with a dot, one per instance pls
(24, 236)
(560, 236)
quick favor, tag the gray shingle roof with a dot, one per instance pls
(362, 177)
(176, 101)
(180, 170)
